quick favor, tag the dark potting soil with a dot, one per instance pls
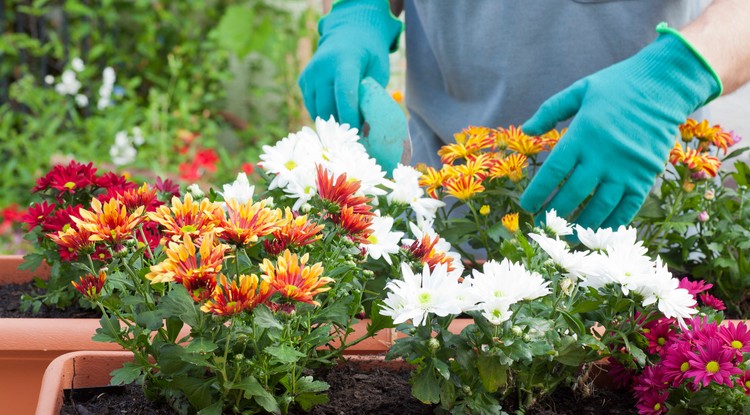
(360, 391)
(10, 305)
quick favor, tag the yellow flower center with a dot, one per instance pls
(660, 341)
(69, 185)
(372, 239)
(712, 366)
(424, 298)
(188, 229)
(737, 344)
(747, 384)
(684, 366)
(657, 406)
(66, 227)
(290, 165)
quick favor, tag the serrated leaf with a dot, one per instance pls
(426, 386)
(308, 384)
(151, 320)
(284, 353)
(254, 390)
(307, 400)
(198, 391)
(109, 330)
(200, 345)
(213, 409)
(264, 318)
(492, 373)
(178, 303)
(128, 373)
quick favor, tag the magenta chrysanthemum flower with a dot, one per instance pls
(650, 380)
(659, 334)
(736, 338)
(652, 403)
(701, 330)
(621, 376)
(710, 301)
(694, 287)
(676, 362)
(714, 363)
(744, 380)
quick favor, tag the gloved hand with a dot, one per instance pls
(355, 40)
(626, 121)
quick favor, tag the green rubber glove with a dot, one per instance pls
(626, 121)
(355, 40)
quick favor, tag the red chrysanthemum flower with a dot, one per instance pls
(341, 191)
(189, 218)
(701, 330)
(72, 242)
(355, 225)
(113, 181)
(621, 376)
(68, 178)
(694, 287)
(652, 403)
(423, 250)
(712, 363)
(293, 279)
(38, 213)
(62, 219)
(294, 230)
(89, 285)
(167, 188)
(134, 198)
(744, 380)
(650, 380)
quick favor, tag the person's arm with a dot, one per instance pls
(722, 35)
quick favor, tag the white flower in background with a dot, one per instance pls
(673, 302)
(82, 100)
(69, 84)
(105, 90)
(196, 191)
(49, 79)
(556, 224)
(424, 228)
(138, 139)
(418, 295)
(382, 241)
(577, 264)
(239, 190)
(602, 238)
(496, 310)
(405, 189)
(77, 64)
(123, 151)
(508, 280)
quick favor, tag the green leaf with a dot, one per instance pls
(426, 386)
(573, 322)
(109, 330)
(638, 354)
(151, 320)
(174, 325)
(213, 409)
(235, 30)
(128, 373)
(254, 390)
(493, 374)
(201, 345)
(198, 391)
(178, 303)
(442, 368)
(307, 400)
(308, 384)
(586, 306)
(284, 353)
(378, 321)
(264, 318)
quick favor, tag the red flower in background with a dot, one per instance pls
(248, 168)
(67, 179)
(205, 161)
(10, 215)
(38, 213)
(113, 181)
(167, 188)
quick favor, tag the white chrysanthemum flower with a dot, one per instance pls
(556, 224)
(49, 79)
(239, 190)
(300, 150)
(108, 76)
(508, 280)
(424, 227)
(82, 100)
(383, 241)
(196, 191)
(673, 302)
(575, 263)
(602, 238)
(418, 295)
(357, 166)
(301, 185)
(68, 85)
(138, 138)
(77, 64)
(496, 310)
(333, 135)
(627, 265)
(405, 189)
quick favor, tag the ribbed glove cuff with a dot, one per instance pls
(372, 18)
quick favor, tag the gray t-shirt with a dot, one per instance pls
(493, 62)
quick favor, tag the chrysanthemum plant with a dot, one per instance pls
(698, 218)
(544, 312)
(54, 233)
(246, 294)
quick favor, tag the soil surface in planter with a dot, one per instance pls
(10, 305)
(357, 391)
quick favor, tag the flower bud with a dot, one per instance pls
(703, 216)
(566, 285)
(526, 338)
(516, 331)
(196, 191)
(467, 390)
(433, 344)
(709, 194)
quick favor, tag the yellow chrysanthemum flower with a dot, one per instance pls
(511, 167)
(463, 187)
(432, 180)
(484, 210)
(243, 294)
(109, 222)
(188, 218)
(522, 143)
(510, 222)
(293, 279)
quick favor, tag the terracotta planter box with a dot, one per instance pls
(29, 345)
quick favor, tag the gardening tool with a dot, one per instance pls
(384, 132)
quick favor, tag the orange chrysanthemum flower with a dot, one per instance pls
(423, 250)
(677, 154)
(432, 180)
(231, 299)
(183, 265)
(89, 285)
(520, 142)
(294, 230)
(341, 192)
(511, 167)
(293, 279)
(188, 218)
(73, 240)
(109, 222)
(702, 163)
(356, 225)
(510, 222)
(142, 196)
(249, 221)
(707, 134)
(463, 187)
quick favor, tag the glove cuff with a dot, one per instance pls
(372, 17)
(664, 29)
